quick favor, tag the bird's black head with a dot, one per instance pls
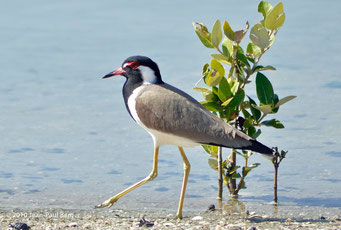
(140, 68)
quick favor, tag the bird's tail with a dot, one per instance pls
(260, 148)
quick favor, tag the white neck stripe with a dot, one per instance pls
(148, 75)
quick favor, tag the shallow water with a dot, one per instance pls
(67, 140)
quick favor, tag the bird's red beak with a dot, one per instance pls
(119, 71)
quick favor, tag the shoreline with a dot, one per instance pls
(232, 217)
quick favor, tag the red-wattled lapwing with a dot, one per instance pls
(172, 117)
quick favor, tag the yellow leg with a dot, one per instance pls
(151, 176)
(187, 168)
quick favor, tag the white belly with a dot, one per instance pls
(161, 138)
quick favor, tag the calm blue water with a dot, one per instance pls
(67, 140)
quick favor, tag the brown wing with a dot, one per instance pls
(167, 109)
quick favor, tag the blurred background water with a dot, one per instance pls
(68, 141)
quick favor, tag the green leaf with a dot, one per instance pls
(217, 66)
(253, 49)
(261, 68)
(273, 123)
(251, 131)
(211, 149)
(216, 74)
(284, 100)
(264, 8)
(214, 151)
(224, 90)
(248, 169)
(283, 153)
(205, 68)
(221, 95)
(210, 97)
(212, 106)
(251, 59)
(256, 135)
(274, 102)
(213, 163)
(213, 78)
(239, 153)
(236, 176)
(230, 75)
(238, 98)
(241, 57)
(233, 170)
(228, 31)
(215, 90)
(227, 102)
(221, 58)
(275, 18)
(265, 92)
(260, 36)
(217, 35)
(272, 39)
(203, 90)
(245, 171)
(240, 50)
(280, 21)
(227, 47)
(204, 41)
(203, 34)
(207, 148)
(255, 112)
(266, 109)
(206, 93)
(246, 114)
(254, 165)
(247, 123)
(234, 88)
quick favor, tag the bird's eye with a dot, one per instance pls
(132, 65)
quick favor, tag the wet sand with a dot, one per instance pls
(233, 217)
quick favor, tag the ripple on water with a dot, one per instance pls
(21, 150)
(194, 196)
(8, 191)
(161, 189)
(49, 169)
(71, 181)
(32, 191)
(33, 177)
(54, 150)
(334, 154)
(309, 201)
(303, 115)
(334, 85)
(6, 175)
(329, 143)
(333, 180)
(114, 172)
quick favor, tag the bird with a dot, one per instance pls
(172, 117)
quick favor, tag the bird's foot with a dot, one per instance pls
(108, 203)
(179, 216)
